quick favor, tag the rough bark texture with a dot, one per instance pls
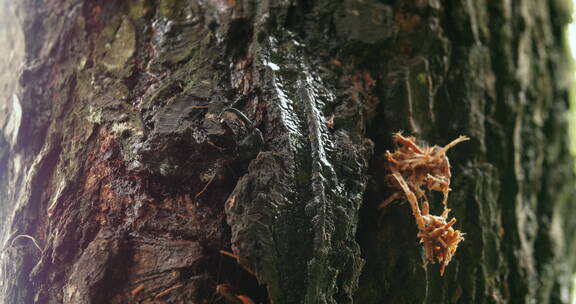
(119, 157)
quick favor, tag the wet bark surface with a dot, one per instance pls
(154, 134)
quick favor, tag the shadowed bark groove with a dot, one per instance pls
(139, 154)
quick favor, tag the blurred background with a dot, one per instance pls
(571, 37)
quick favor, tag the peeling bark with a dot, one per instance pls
(145, 137)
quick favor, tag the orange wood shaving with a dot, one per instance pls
(412, 171)
(230, 254)
(231, 295)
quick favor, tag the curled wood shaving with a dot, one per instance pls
(231, 295)
(412, 171)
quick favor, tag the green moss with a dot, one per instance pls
(121, 48)
(138, 8)
(167, 8)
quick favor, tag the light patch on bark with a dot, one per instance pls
(122, 48)
(13, 125)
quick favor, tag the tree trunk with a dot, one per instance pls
(159, 151)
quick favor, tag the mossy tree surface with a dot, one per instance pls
(116, 153)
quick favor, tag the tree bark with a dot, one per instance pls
(146, 139)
